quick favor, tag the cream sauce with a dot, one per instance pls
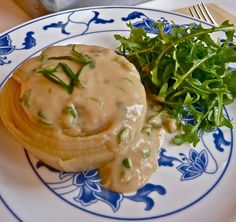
(111, 98)
(134, 164)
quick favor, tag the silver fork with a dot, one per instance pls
(201, 12)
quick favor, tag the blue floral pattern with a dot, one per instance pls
(88, 190)
(195, 164)
(63, 25)
(6, 46)
(219, 140)
(147, 23)
(142, 194)
(88, 182)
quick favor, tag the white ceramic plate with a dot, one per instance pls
(190, 185)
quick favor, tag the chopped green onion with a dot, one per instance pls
(49, 74)
(127, 163)
(84, 59)
(71, 109)
(147, 129)
(40, 114)
(70, 74)
(146, 153)
(92, 65)
(70, 115)
(127, 79)
(26, 97)
(124, 135)
(120, 88)
(155, 121)
(100, 102)
(43, 119)
(78, 58)
(42, 58)
(70, 58)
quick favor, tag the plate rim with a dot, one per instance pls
(35, 20)
(98, 7)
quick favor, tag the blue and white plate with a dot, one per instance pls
(190, 185)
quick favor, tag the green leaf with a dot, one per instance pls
(229, 32)
(231, 83)
(155, 79)
(228, 55)
(187, 138)
(196, 64)
(163, 90)
(188, 99)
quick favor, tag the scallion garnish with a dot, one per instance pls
(78, 58)
(127, 79)
(70, 74)
(84, 59)
(71, 109)
(146, 153)
(100, 102)
(42, 58)
(25, 98)
(69, 58)
(124, 135)
(43, 119)
(127, 163)
(147, 129)
(50, 74)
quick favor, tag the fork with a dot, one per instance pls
(201, 12)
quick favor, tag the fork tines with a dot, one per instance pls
(200, 11)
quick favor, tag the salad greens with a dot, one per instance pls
(187, 72)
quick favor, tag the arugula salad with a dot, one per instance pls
(187, 72)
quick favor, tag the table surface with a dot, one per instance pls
(11, 15)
